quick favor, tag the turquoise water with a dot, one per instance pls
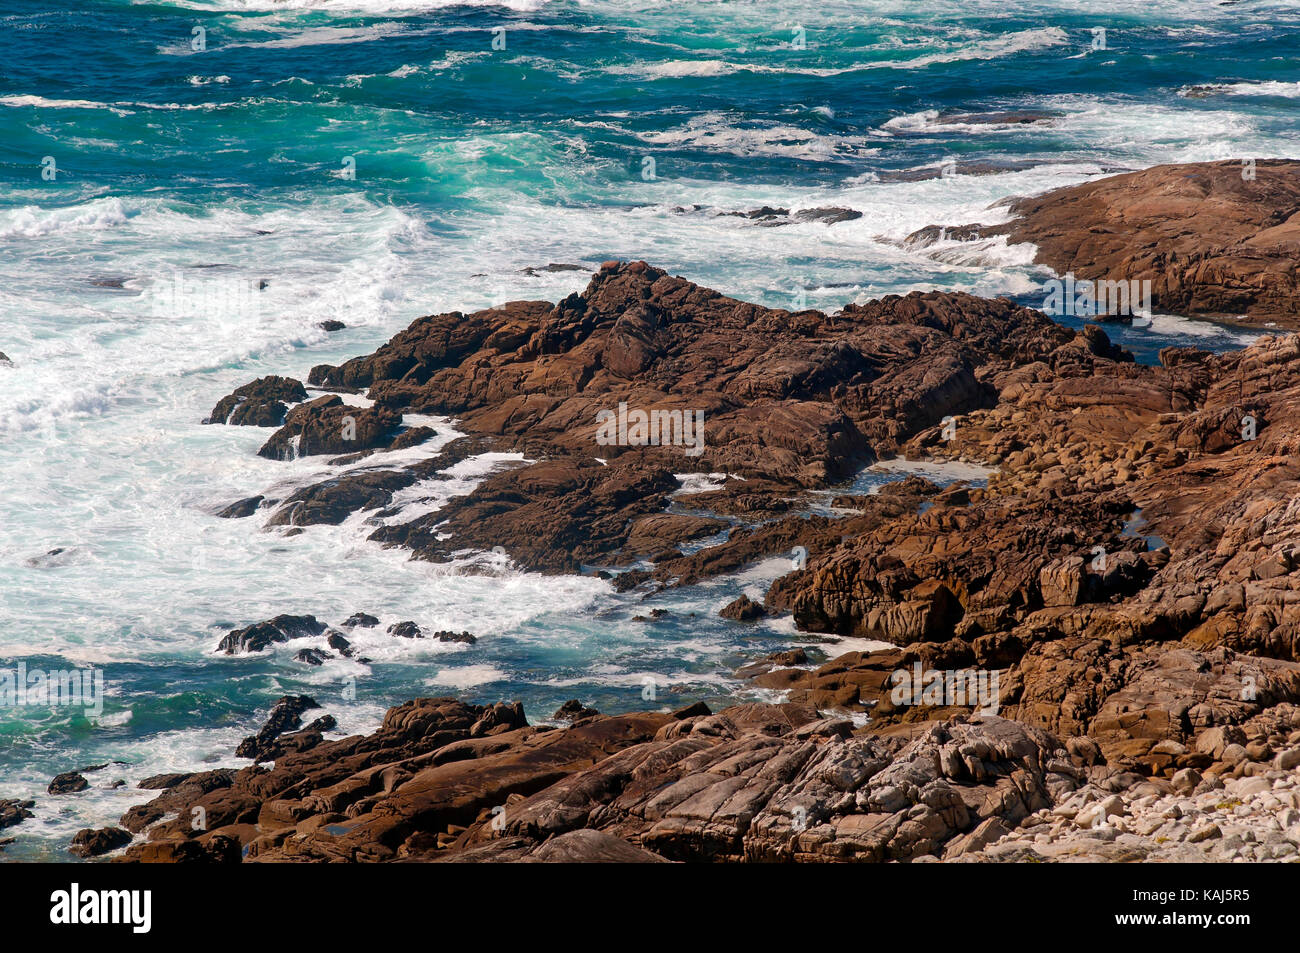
(375, 161)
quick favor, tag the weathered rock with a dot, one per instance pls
(285, 716)
(1211, 240)
(261, 403)
(743, 609)
(94, 843)
(70, 782)
(14, 811)
(327, 425)
(259, 636)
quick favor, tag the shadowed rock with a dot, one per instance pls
(261, 403)
(282, 628)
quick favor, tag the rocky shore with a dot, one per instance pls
(1215, 239)
(1126, 582)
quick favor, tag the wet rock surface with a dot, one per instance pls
(262, 403)
(1216, 239)
(93, 843)
(1128, 574)
(14, 811)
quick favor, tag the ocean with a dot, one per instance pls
(378, 160)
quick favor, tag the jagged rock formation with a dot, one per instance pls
(1217, 239)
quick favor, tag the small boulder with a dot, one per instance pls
(13, 812)
(261, 403)
(1288, 759)
(1061, 581)
(282, 628)
(573, 710)
(70, 782)
(743, 609)
(93, 843)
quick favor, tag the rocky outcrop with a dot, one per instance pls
(445, 780)
(1111, 616)
(94, 843)
(282, 628)
(14, 811)
(786, 401)
(69, 782)
(262, 403)
(1216, 239)
(742, 609)
(286, 716)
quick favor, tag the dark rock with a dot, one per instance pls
(70, 782)
(331, 325)
(362, 620)
(282, 628)
(573, 710)
(450, 636)
(13, 811)
(312, 656)
(411, 437)
(241, 508)
(695, 710)
(405, 630)
(161, 782)
(743, 609)
(261, 403)
(332, 501)
(94, 843)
